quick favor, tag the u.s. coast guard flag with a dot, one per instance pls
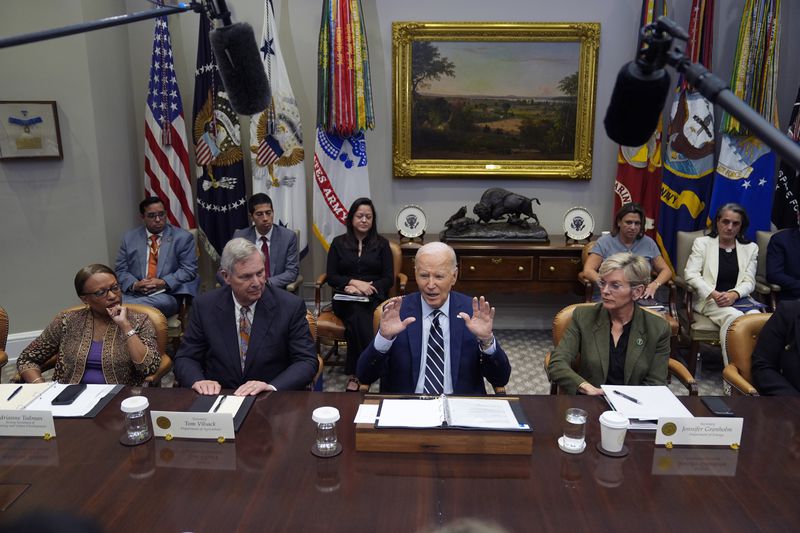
(276, 140)
(344, 112)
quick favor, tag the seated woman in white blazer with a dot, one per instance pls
(722, 269)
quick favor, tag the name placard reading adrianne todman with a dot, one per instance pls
(26, 424)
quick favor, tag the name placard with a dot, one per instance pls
(700, 431)
(192, 425)
(27, 424)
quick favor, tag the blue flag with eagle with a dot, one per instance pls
(221, 202)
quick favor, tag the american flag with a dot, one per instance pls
(269, 151)
(166, 158)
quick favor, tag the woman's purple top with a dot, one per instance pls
(94, 364)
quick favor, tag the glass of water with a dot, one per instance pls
(574, 428)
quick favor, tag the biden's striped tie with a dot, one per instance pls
(434, 364)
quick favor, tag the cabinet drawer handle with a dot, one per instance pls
(552, 269)
(520, 269)
(472, 268)
(575, 261)
(497, 260)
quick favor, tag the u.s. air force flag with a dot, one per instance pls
(276, 140)
(221, 202)
(340, 176)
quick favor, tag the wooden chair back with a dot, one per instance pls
(3, 337)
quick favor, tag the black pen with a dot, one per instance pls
(629, 398)
(14, 393)
(220, 403)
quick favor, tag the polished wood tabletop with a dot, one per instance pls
(267, 480)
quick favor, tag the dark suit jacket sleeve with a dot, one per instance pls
(192, 351)
(371, 364)
(125, 277)
(301, 352)
(185, 252)
(496, 368)
(779, 262)
(292, 266)
(659, 362)
(777, 333)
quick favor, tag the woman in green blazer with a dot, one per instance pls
(618, 342)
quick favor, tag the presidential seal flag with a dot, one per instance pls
(344, 112)
(787, 187)
(221, 202)
(166, 156)
(276, 140)
(746, 167)
(639, 167)
(689, 155)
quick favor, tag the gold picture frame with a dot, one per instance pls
(475, 106)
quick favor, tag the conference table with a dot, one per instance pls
(267, 479)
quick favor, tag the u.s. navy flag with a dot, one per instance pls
(689, 156)
(221, 202)
(276, 140)
(787, 186)
(344, 112)
(166, 156)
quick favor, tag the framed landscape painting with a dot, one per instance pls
(489, 99)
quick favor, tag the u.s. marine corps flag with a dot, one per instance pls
(221, 202)
(276, 140)
(639, 167)
(746, 167)
(689, 157)
(344, 112)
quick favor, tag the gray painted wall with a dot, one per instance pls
(59, 216)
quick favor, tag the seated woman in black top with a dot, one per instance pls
(359, 264)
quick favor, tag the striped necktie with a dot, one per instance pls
(244, 333)
(434, 363)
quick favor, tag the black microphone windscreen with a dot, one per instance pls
(241, 68)
(636, 105)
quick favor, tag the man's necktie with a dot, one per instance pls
(244, 333)
(265, 251)
(152, 260)
(434, 364)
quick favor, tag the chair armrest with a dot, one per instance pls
(295, 285)
(154, 380)
(403, 279)
(3, 358)
(364, 387)
(317, 293)
(677, 369)
(499, 391)
(733, 378)
(588, 289)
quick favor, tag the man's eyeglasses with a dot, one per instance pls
(102, 292)
(614, 286)
(156, 214)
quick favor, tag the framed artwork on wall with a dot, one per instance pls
(29, 130)
(492, 99)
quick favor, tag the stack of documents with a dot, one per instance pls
(644, 404)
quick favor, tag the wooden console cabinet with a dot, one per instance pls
(486, 268)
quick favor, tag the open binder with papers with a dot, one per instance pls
(645, 404)
(39, 397)
(452, 413)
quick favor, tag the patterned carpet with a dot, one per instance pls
(526, 350)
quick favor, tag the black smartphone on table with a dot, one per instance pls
(717, 406)
(69, 394)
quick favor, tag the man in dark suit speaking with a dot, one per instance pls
(246, 335)
(435, 341)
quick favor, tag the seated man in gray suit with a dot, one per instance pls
(246, 335)
(157, 261)
(277, 243)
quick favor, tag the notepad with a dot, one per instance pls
(655, 401)
(450, 412)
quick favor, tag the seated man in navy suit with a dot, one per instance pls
(275, 241)
(783, 262)
(157, 261)
(246, 335)
(435, 341)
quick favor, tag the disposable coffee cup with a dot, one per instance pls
(613, 426)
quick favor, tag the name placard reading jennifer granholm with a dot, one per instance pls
(26, 424)
(708, 431)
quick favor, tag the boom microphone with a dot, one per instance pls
(636, 104)
(240, 66)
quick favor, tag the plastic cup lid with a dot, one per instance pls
(325, 415)
(614, 419)
(134, 404)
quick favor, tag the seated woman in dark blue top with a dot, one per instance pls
(359, 264)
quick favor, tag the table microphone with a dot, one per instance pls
(240, 66)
